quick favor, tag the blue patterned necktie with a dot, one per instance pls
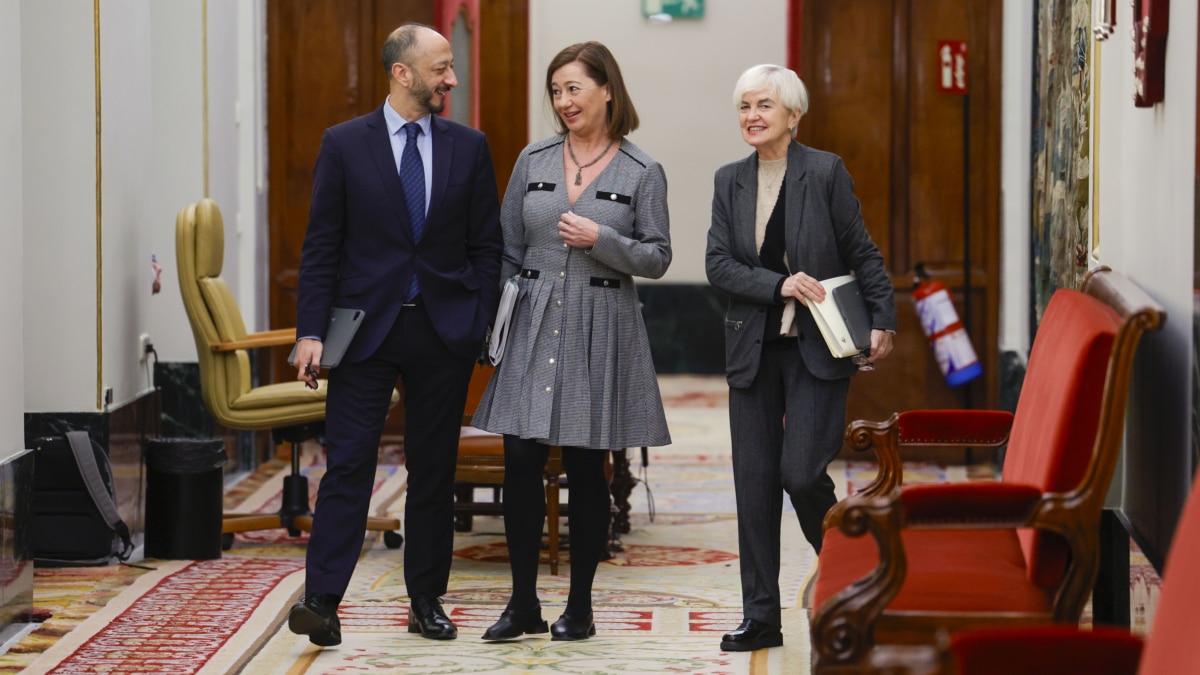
(412, 178)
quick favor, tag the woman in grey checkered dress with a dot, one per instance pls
(585, 212)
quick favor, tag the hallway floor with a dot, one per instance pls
(662, 601)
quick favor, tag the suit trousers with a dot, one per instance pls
(786, 428)
(435, 391)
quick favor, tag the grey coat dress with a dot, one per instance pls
(577, 369)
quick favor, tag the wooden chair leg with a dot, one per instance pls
(464, 494)
(552, 491)
(622, 487)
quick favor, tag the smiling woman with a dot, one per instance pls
(765, 262)
(585, 212)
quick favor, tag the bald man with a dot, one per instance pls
(404, 225)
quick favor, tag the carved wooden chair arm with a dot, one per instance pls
(843, 629)
(974, 428)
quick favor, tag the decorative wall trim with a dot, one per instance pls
(99, 220)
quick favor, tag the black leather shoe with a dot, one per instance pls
(427, 617)
(752, 635)
(316, 616)
(513, 624)
(571, 628)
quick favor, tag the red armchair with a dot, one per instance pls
(1169, 647)
(1025, 549)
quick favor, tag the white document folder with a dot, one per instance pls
(843, 317)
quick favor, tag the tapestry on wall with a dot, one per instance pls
(1061, 147)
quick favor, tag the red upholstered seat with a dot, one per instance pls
(1021, 549)
(973, 571)
(1050, 649)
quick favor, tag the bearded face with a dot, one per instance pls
(424, 95)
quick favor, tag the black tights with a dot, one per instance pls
(525, 510)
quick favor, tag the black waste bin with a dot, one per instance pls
(184, 492)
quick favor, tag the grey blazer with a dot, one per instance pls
(825, 237)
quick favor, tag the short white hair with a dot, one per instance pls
(781, 83)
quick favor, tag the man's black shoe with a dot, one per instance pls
(752, 635)
(316, 616)
(426, 616)
(573, 628)
(513, 624)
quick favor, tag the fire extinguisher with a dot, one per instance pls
(945, 332)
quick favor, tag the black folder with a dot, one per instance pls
(849, 300)
(339, 332)
(843, 317)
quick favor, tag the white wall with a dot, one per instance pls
(1015, 179)
(253, 242)
(223, 61)
(12, 401)
(1147, 210)
(177, 139)
(680, 76)
(127, 170)
(152, 151)
(58, 167)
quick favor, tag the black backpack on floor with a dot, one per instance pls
(75, 520)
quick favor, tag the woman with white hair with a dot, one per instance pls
(783, 219)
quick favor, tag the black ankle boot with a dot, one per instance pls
(515, 623)
(570, 627)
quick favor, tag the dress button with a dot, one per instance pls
(606, 282)
(558, 303)
(555, 333)
(561, 275)
(551, 360)
(564, 244)
(539, 186)
(548, 389)
(613, 196)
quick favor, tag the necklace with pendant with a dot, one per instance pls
(580, 167)
(773, 181)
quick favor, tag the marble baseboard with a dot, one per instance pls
(183, 413)
(184, 416)
(1012, 376)
(16, 517)
(686, 326)
(121, 432)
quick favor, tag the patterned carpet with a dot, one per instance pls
(662, 601)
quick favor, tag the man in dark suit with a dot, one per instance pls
(404, 225)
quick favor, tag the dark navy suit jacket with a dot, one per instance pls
(359, 250)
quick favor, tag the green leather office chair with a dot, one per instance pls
(293, 412)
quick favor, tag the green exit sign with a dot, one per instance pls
(675, 9)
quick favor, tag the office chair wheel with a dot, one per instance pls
(226, 541)
(392, 540)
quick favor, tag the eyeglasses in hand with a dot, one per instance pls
(861, 361)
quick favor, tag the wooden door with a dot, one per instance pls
(323, 67)
(871, 70)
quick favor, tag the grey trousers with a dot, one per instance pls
(786, 427)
